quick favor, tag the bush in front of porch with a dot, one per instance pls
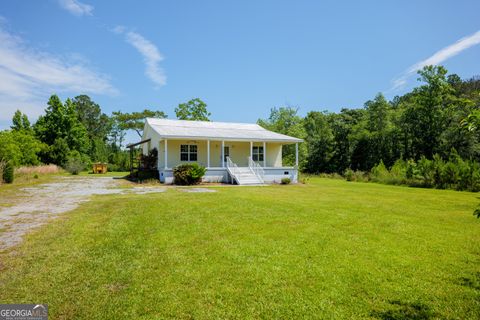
(188, 174)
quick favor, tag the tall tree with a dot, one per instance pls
(194, 109)
(287, 121)
(20, 121)
(320, 142)
(61, 130)
(135, 120)
(90, 115)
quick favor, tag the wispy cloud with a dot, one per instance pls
(28, 77)
(76, 7)
(437, 58)
(151, 55)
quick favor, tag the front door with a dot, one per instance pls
(226, 153)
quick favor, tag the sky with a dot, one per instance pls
(241, 57)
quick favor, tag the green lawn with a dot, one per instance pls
(329, 250)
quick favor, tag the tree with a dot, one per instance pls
(20, 121)
(286, 120)
(194, 109)
(135, 120)
(90, 115)
(20, 147)
(320, 142)
(61, 123)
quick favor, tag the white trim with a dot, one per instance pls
(251, 149)
(166, 154)
(296, 154)
(222, 153)
(213, 138)
(208, 153)
(264, 154)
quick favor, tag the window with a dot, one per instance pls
(257, 154)
(188, 152)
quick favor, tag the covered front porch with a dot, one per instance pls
(231, 161)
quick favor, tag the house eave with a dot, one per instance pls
(173, 137)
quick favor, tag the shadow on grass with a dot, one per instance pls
(471, 282)
(403, 311)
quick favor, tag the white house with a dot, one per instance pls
(238, 153)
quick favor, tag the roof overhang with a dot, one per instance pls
(229, 139)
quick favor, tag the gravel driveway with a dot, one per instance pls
(36, 205)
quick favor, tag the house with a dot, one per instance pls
(238, 153)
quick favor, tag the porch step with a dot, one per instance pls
(245, 176)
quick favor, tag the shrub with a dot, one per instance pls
(477, 212)
(35, 176)
(8, 172)
(426, 171)
(411, 171)
(74, 166)
(147, 175)
(188, 174)
(2, 167)
(113, 167)
(304, 178)
(380, 173)
(349, 175)
(285, 181)
(149, 161)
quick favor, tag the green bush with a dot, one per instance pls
(357, 175)
(411, 171)
(8, 173)
(74, 166)
(285, 181)
(426, 171)
(188, 174)
(147, 175)
(149, 161)
(349, 175)
(379, 173)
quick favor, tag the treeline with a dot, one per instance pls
(433, 121)
(74, 133)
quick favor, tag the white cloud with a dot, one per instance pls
(28, 77)
(437, 58)
(76, 7)
(151, 55)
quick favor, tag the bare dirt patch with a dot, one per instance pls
(34, 206)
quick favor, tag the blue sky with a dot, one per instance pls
(241, 57)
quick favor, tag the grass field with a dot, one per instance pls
(329, 250)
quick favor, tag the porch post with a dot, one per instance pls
(264, 154)
(223, 155)
(296, 154)
(251, 150)
(208, 153)
(166, 153)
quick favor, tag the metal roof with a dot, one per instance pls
(185, 129)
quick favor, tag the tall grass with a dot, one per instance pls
(3, 164)
(40, 170)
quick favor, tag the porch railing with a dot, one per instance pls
(256, 169)
(233, 169)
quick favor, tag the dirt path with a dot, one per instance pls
(36, 205)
